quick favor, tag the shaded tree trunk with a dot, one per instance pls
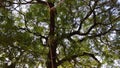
(51, 63)
(51, 42)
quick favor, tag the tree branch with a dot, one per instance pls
(75, 56)
(46, 3)
(89, 13)
(37, 34)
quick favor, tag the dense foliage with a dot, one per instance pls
(86, 33)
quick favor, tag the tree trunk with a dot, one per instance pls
(51, 63)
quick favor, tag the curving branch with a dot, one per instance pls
(75, 56)
(90, 35)
(88, 14)
(37, 34)
(10, 3)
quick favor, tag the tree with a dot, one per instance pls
(59, 33)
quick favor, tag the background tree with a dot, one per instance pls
(82, 34)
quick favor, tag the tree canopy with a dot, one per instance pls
(59, 33)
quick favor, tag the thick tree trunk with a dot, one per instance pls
(51, 63)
